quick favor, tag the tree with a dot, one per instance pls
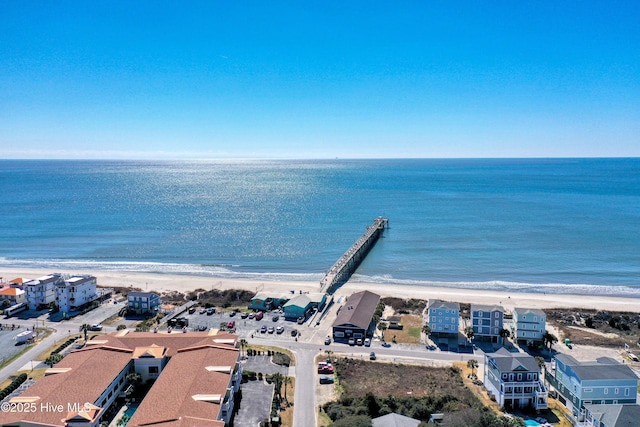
(504, 334)
(383, 327)
(53, 359)
(468, 331)
(540, 361)
(285, 382)
(549, 339)
(243, 345)
(472, 364)
(426, 329)
(85, 328)
(353, 421)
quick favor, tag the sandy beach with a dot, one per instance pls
(185, 283)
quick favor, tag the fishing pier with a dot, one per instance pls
(349, 262)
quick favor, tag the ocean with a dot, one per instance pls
(537, 225)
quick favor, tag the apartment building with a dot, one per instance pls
(195, 377)
(143, 302)
(75, 292)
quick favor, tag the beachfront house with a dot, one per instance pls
(303, 305)
(601, 382)
(443, 318)
(12, 296)
(610, 416)
(143, 302)
(487, 322)
(41, 292)
(75, 292)
(514, 380)
(530, 325)
(355, 317)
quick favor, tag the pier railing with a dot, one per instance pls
(340, 272)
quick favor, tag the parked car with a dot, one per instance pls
(352, 341)
(252, 315)
(210, 311)
(95, 328)
(271, 329)
(325, 368)
(324, 379)
(203, 310)
(359, 341)
(244, 315)
(372, 355)
(386, 344)
(294, 333)
(231, 324)
(327, 341)
(275, 318)
(233, 313)
(263, 329)
(192, 309)
(367, 342)
(259, 315)
(279, 330)
(301, 320)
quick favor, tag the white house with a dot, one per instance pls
(75, 292)
(42, 291)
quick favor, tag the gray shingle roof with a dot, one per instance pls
(509, 362)
(394, 420)
(615, 415)
(436, 303)
(358, 310)
(605, 369)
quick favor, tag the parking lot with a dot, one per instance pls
(245, 323)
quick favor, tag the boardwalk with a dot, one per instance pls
(349, 262)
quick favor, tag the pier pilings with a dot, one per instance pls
(340, 272)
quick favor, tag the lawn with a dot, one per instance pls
(409, 334)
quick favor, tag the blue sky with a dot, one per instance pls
(213, 79)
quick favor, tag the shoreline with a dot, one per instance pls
(164, 282)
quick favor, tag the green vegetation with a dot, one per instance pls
(370, 390)
(13, 386)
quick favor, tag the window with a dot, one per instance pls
(519, 377)
(496, 323)
(153, 369)
(626, 392)
(616, 391)
(606, 390)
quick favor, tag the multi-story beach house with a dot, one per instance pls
(601, 382)
(514, 380)
(41, 292)
(610, 416)
(487, 322)
(530, 325)
(143, 302)
(443, 318)
(75, 292)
